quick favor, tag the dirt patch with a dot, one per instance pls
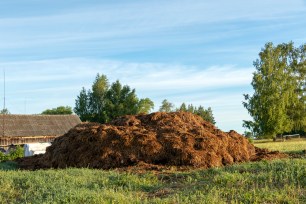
(167, 139)
(265, 154)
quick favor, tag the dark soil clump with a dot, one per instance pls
(171, 139)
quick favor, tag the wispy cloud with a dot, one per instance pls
(114, 21)
(44, 82)
(139, 75)
(190, 51)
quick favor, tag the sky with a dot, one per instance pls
(194, 51)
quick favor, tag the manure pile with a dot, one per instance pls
(172, 139)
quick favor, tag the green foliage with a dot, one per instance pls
(190, 108)
(105, 102)
(61, 110)
(8, 165)
(145, 105)
(206, 114)
(250, 140)
(82, 105)
(183, 107)
(14, 154)
(248, 134)
(278, 103)
(166, 106)
(120, 100)
(97, 100)
(5, 111)
(3, 157)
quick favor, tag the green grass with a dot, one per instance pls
(279, 181)
(9, 165)
(293, 146)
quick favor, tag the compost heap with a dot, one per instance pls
(173, 139)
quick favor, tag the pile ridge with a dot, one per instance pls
(173, 139)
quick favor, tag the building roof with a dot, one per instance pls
(36, 125)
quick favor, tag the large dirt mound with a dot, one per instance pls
(179, 139)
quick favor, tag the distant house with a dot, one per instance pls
(23, 129)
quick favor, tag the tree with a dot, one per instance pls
(183, 107)
(206, 114)
(120, 101)
(5, 111)
(61, 110)
(297, 111)
(166, 106)
(190, 108)
(277, 105)
(82, 105)
(248, 135)
(97, 99)
(104, 103)
(145, 106)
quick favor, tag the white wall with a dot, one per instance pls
(35, 148)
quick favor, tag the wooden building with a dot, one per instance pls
(23, 129)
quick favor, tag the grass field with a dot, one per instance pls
(280, 181)
(289, 146)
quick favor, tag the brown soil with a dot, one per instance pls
(154, 140)
(265, 154)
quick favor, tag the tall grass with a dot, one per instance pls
(74, 186)
(281, 181)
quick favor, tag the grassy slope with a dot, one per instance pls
(282, 181)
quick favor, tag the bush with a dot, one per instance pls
(3, 157)
(250, 140)
(14, 154)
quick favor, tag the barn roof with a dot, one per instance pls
(36, 125)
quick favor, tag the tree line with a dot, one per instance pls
(105, 102)
(206, 114)
(278, 104)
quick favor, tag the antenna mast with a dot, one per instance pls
(4, 92)
(3, 111)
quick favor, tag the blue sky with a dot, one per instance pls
(194, 51)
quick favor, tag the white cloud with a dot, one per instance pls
(196, 32)
(48, 83)
(146, 76)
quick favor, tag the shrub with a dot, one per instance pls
(250, 140)
(14, 154)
